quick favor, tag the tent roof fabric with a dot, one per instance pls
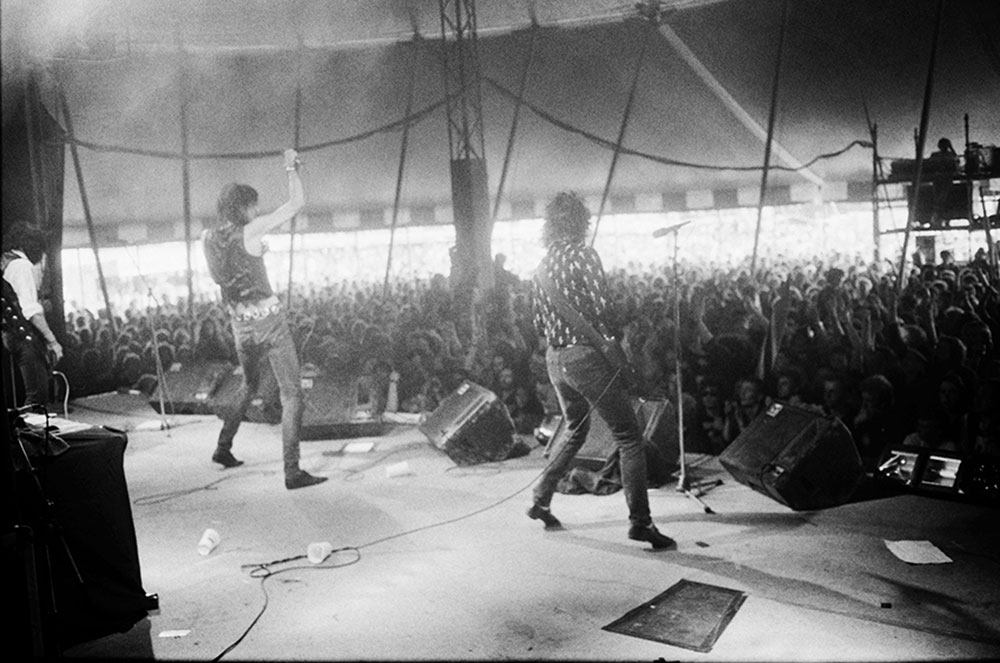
(846, 63)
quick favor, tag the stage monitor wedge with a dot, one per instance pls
(798, 457)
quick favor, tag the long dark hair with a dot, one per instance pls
(566, 219)
(234, 199)
(32, 241)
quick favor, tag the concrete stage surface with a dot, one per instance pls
(444, 564)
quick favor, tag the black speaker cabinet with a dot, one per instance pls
(265, 408)
(330, 407)
(84, 538)
(798, 457)
(471, 425)
(190, 388)
(657, 420)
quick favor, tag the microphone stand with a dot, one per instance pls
(696, 490)
(161, 376)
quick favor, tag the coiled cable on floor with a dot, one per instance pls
(263, 570)
(66, 395)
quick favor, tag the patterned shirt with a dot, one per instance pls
(576, 270)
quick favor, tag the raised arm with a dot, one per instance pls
(265, 223)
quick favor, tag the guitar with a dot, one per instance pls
(609, 348)
(17, 329)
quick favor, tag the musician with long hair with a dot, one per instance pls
(27, 337)
(235, 253)
(585, 381)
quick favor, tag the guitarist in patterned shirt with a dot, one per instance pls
(584, 378)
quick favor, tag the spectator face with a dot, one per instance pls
(833, 393)
(710, 397)
(506, 378)
(786, 387)
(750, 394)
(870, 403)
(950, 396)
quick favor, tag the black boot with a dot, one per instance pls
(225, 458)
(542, 513)
(650, 534)
(301, 479)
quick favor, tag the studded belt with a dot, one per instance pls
(247, 312)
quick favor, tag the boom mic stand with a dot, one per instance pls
(696, 490)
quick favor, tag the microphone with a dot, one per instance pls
(669, 229)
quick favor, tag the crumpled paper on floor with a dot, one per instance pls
(917, 552)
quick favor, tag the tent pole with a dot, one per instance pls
(33, 157)
(522, 85)
(734, 106)
(36, 160)
(621, 133)
(296, 143)
(770, 135)
(86, 206)
(921, 141)
(291, 235)
(186, 175)
(876, 220)
(402, 166)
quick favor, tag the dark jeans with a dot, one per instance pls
(254, 338)
(34, 369)
(583, 380)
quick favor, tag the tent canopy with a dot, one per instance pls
(125, 68)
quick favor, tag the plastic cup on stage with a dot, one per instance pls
(209, 540)
(319, 551)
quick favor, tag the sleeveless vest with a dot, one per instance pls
(242, 277)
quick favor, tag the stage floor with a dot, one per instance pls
(444, 564)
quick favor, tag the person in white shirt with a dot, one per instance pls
(31, 344)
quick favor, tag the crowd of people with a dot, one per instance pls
(917, 365)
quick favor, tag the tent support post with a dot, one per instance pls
(291, 232)
(734, 106)
(876, 218)
(402, 167)
(621, 134)
(40, 201)
(296, 140)
(186, 176)
(86, 207)
(921, 141)
(770, 135)
(522, 85)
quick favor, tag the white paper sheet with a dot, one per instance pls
(917, 552)
(62, 425)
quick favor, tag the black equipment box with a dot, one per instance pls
(658, 422)
(190, 388)
(800, 458)
(87, 571)
(265, 408)
(471, 426)
(942, 473)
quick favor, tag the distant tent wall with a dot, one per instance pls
(33, 164)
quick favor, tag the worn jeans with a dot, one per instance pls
(583, 381)
(29, 357)
(254, 338)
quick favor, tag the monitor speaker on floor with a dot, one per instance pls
(658, 421)
(802, 459)
(471, 426)
(190, 388)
